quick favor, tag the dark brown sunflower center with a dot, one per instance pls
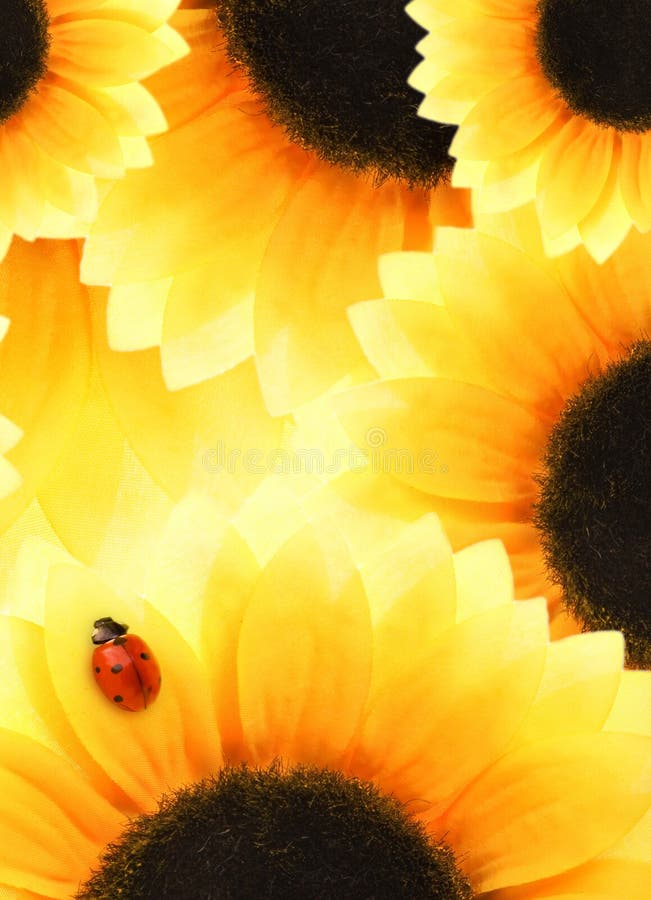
(595, 501)
(334, 76)
(275, 833)
(597, 54)
(24, 42)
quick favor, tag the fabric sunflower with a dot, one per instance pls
(514, 390)
(73, 113)
(552, 102)
(318, 728)
(273, 194)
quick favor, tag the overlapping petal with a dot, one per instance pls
(518, 139)
(273, 659)
(89, 117)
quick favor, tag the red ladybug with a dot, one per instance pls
(124, 667)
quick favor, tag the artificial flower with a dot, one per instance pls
(250, 237)
(514, 390)
(319, 726)
(73, 113)
(552, 103)
(44, 360)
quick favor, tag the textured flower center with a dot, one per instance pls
(595, 501)
(597, 54)
(275, 833)
(24, 42)
(334, 76)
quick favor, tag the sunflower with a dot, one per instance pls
(318, 728)
(514, 390)
(552, 103)
(272, 160)
(72, 111)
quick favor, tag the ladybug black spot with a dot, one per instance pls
(97, 669)
(116, 668)
(149, 689)
(118, 699)
(144, 656)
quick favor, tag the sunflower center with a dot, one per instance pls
(597, 54)
(334, 76)
(276, 833)
(24, 42)
(595, 498)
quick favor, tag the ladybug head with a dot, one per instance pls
(106, 629)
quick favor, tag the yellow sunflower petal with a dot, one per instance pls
(301, 694)
(72, 131)
(432, 757)
(506, 119)
(566, 192)
(496, 47)
(208, 321)
(338, 256)
(608, 222)
(493, 824)
(143, 766)
(581, 680)
(636, 187)
(53, 822)
(44, 358)
(104, 52)
(141, 234)
(483, 579)
(135, 314)
(228, 591)
(520, 301)
(457, 445)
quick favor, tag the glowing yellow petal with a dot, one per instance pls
(159, 223)
(520, 301)
(572, 175)
(135, 314)
(506, 119)
(393, 575)
(71, 131)
(465, 442)
(104, 52)
(44, 358)
(483, 579)
(608, 222)
(301, 694)
(228, 591)
(407, 338)
(208, 322)
(497, 47)
(432, 757)
(534, 797)
(338, 254)
(631, 711)
(580, 682)
(53, 822)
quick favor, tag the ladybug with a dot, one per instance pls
(124, 667)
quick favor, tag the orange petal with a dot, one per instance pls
(71, 131)
(445, 437)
